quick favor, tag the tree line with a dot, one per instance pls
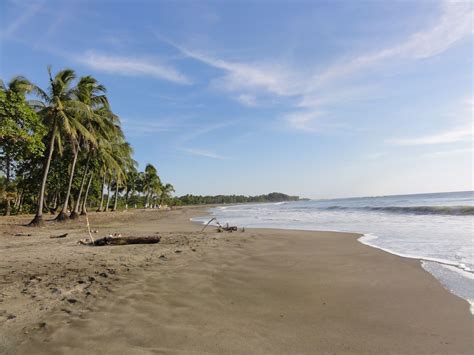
(219, 199)
(63, 150)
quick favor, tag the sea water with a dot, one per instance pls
(435, 228)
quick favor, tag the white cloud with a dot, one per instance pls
(204, 153)
(131, 66)
(458, 134)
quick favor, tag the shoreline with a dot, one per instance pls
(343, 295)
(364, 238)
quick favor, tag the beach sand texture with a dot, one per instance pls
(257, 292)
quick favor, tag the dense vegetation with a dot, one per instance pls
(63, 150)
(201, 200)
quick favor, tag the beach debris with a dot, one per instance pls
(117, 239)
(59, 236)
(23, 235)
(213, 219)
(227, 228)
(221, 228)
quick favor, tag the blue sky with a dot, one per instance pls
(314, 98)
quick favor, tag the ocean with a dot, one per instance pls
(437, 228)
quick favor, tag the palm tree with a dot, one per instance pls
(92, 94)
(150, 180)
(18, 84)
(61, 113)
(131, 184)
(166, 191)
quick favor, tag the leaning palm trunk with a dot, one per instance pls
(75, 212)
(116, 196)
(108, 195)
(101, 205)
(62, 216)
(38, 219)
(84, 203)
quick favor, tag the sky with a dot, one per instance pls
(312, 98)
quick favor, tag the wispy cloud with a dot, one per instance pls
(141, 127)
(204, 153)
(273, 78)
(131, 66)
(302, 120)
(458, 134)
(312, 89)
(26, 14)
(247, 100)
(454, 24)
(448, 153)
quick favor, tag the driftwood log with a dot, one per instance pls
(110, 240)
(59, 236)
(227, 228)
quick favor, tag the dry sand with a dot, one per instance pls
(261, 291)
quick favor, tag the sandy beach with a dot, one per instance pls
(259, 291)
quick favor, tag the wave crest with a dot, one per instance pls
(437, 210)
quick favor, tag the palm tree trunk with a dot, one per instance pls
(17, 200)
(20, 204)
(116, 195)
(126, 198)
(75, 212)
(147, 198)
(84, 203)
(101, 205)
(8, 207)
(62, 216)
(38, 219)
(108, 194)
(54, 207)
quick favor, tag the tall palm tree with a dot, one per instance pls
(61, 113)
(92, 94)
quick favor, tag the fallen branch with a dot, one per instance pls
(213, 219)
(111, 240)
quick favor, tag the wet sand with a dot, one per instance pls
(261, 291)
